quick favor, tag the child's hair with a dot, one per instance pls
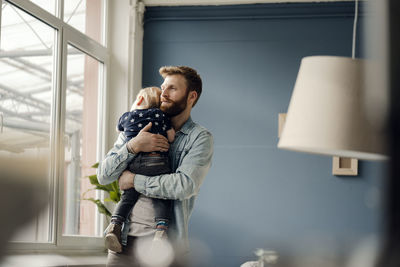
(151, 97)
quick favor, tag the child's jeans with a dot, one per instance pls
(149, 164)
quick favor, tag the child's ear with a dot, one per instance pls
(140, 100)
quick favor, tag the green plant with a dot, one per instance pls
(112, 189)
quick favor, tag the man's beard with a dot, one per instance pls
(175, 107)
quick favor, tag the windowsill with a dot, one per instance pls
(54, 260)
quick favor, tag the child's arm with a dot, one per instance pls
(171, 135)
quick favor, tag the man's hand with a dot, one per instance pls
(147, 142)
(126, 180)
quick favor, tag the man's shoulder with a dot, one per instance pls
(200, 137)
(198, 129)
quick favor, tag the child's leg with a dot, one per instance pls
(124, 206)
(163, 211)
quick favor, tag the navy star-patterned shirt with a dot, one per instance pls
(132, 122)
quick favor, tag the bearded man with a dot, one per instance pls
(190, 157)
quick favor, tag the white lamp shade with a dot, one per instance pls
(325, 114)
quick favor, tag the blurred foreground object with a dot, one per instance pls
(23, 193)
(390, 256)
(265, 258)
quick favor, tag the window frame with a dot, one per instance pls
(67, 35)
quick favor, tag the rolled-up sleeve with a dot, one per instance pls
(115, 162)
(187, 179)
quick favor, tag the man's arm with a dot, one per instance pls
(115, 162)
(187, 179)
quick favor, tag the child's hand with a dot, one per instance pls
(125, 181)
(171, 135)
(147, 142)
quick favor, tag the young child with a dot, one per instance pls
(145, 109)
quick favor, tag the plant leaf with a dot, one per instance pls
(106, 188)
(115, 186)
(95, 182)
(96, 165)
(114, 196)
(93, 179)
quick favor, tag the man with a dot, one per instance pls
(190, 158)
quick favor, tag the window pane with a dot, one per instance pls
(81, 147)
(26, 88)
(86, 16)
(49, 6)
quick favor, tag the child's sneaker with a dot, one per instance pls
(113, 237)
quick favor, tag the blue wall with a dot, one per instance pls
(257, 196)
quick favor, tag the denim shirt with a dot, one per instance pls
(190, 157)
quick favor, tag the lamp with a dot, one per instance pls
(326, 115)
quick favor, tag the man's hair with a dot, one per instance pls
(151, 97)
(193, 80)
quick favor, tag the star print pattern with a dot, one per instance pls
(133, 121)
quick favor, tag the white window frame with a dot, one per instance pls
(65, 35)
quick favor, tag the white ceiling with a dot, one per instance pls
(223, 2)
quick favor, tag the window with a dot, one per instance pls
(26, 87)
(49, 6)
(81, 145)
(85, 16)
(52, 100)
